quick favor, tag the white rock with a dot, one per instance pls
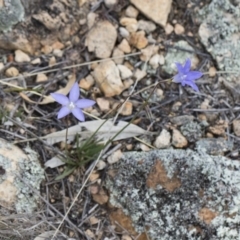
(124, 71)
(101, 165)
(115, 157)
(163, 140)
(124, 32)
(101, 39)
(41, 77)
(178, 140)
(131, 24)
(1, 66)
(124, 46)
(146, 26)
(104, 104)
(156, 10)
(36, 61)
(20, 56)
(156, 60)
(131, 12)
(118, 53)
(57, 52)
(179, 29)
(108, 79)
(110, 3)
(12, 72)
(168, 29)
(139, 74)
(91, 17)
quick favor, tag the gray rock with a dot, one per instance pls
(214, 146)
(220, 34)
(10, 14)
(180, 52)
(205, 185)
(180, 120)
(192, 131)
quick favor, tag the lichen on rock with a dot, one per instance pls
(21, 172)
(220, 34)
(11, 13)
(178, 194)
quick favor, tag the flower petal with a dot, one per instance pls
(193, 75)
(84, 103)
(179, 67)
(60, 98)
(77, 112)
(192, 85)
(187, 66)
(64, 111)
(177, 78)
(74, 93)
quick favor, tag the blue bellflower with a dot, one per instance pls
(185, 76)
(72, 104)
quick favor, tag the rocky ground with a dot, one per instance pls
(173, 172)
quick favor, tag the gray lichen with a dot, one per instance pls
(192, 131)
(180, 52)
(220, 33)
(10, 14)
(174, 215)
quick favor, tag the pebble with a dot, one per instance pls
(57, 45)
(212, 72)
(124, 32)
(41, 77)
(127, 109)
(156, 10)
(156, 60)
(179, 29)
(12, 72)
(131, 24)
(57, 53)
(101, 39)
(115, 157)
(163, 140)
(146, 26)
(52, 61)
(220, 128)
(180, 120)
(103, 104)
(236, 127)
(178, 140)
(124, 71)
(101, 165)
(87, 83)
(46, 49)
(36, 61)
(91, 18)
(107, 77)
(138, 40)
(1, 66)
(131, 12)
(168, 29)
(148, 52)
(124, 46)
(110, 3)
(127, 83)
(118, 53)
(20, 56)
(139, 74)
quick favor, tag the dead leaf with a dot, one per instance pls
(54, 162)
(49, 99)
(45, 235)
(106, 131)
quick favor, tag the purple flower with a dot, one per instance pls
(185, 76)
(72, 104)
